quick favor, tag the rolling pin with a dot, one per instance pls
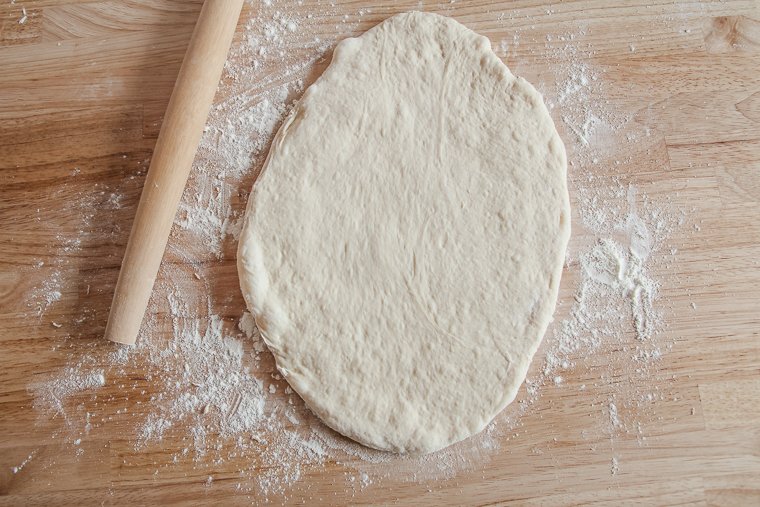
(170, 166)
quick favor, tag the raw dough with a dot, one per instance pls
(403, 246)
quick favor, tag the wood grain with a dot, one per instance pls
(83, 87)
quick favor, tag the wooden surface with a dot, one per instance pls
(83, 87)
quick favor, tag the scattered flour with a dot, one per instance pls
(26, 461)
(50, 395)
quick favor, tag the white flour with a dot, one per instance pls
(26, 461)
(51, 395)
(210, 394)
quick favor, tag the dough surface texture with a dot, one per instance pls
(403, 246)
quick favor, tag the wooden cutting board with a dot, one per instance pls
(83, 86)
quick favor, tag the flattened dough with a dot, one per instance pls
(403, 246)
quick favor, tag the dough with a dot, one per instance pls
(403, 246)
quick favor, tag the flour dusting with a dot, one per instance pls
(51, 395)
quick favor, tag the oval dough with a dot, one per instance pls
(403, 246)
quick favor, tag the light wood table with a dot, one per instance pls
(83, 86)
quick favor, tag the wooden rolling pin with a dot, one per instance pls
(172, 159)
